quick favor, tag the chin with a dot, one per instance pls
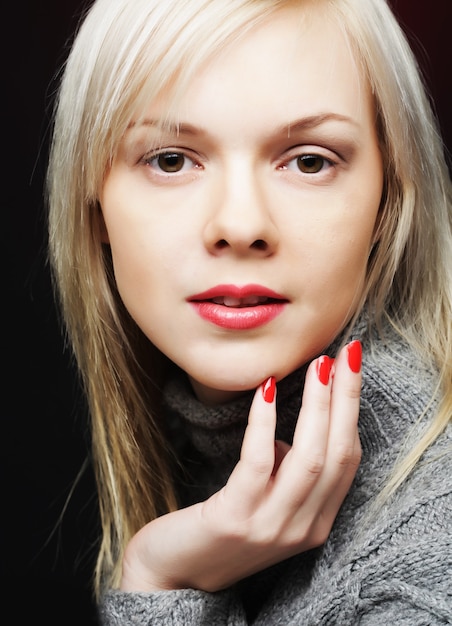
(215, 389)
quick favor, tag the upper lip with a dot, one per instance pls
(252, 294)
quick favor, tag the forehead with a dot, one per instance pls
(299, 63)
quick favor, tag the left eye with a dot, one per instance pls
(309, 163)
(170, 162)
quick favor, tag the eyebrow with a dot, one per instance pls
(312, 121)
(303, 123)
(175, 128)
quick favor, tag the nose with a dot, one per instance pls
(240, 221)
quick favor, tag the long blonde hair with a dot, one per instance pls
(125, 54)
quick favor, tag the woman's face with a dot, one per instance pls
(240, 237)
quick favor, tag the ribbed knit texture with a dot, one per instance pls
(381, 565)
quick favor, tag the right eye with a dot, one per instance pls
(170, 162)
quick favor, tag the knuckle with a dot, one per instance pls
(260, 465)
(347, 454)
(311, 534)
(353, 391)
(320, 529)
(269, 535)
(226, 520)
(314, 463)
(323, 402)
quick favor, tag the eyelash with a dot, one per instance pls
(318, 163)
(154, 158)
(310, 160)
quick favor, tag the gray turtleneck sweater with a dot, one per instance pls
(382, 564)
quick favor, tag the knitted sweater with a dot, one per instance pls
(384, 564)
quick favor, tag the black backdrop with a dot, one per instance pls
(46, 567)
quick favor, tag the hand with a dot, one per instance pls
(280, 500)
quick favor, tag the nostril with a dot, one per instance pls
(221, 244)
(259, 244)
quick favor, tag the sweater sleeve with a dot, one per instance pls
(183, 607)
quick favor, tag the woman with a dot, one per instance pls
(240, 192)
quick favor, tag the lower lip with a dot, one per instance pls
(243, 318)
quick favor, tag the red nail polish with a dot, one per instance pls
(323, 366)
(268, 389)
(354, 353)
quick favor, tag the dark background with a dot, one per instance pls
(46, 566)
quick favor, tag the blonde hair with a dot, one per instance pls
(125, 54)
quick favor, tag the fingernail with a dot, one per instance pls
(323, 365)
(268, 389)
(354, 353)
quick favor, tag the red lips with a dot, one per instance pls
(238, 308)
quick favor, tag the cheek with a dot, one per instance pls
(336, 259)
(147, 261)
(338, 277)
(136, 243)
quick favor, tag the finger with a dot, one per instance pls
(248, 482)
(313, 420)
(303, 464)
(343, 452)
(340, 491)
(345, 398)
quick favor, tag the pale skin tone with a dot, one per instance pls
(273, 178)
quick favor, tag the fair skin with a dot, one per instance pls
(271, 183)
